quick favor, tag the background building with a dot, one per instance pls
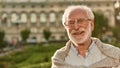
(16, 15)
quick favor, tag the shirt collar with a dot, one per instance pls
(76, 52)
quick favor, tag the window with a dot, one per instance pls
(14, 18)
(23, 18)
(13, 6)
(108, 4)
(98, 5)
(52, 17)
(33, 18)
(23, 6)
(53, 38)
(42, 6)
(32, 6)
(4, 18)
(43, 17)
(62, 37)
(3, 6)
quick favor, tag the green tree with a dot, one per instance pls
(25, 34)
(2, 42)
(2, 35)
(116, 33)
(47, 34)
(100, 25)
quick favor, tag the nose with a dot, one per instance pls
(76, 26)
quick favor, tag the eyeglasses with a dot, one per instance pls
(81, 21)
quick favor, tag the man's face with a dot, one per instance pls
(78, 26)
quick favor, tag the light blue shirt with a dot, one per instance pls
(92, 56)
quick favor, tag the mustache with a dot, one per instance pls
(78, 31)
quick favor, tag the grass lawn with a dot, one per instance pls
(34, 56)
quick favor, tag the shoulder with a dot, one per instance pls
(62, 52)
(111, 48)
(59, 57)
(108, 49)
(105, 46)
(59, 52)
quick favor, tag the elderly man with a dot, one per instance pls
(82, 50)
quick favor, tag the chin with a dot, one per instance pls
(78, 41)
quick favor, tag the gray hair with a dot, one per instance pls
(82, 7)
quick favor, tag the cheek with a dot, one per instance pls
(86, 26)
(69, 30)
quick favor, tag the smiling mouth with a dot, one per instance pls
(78, 33)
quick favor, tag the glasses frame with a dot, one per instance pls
(80, 21)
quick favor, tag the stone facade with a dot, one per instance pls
(36, 15)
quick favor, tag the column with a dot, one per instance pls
(28, 20)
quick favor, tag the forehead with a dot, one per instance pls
(77, 13)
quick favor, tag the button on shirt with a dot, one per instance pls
(92, 56)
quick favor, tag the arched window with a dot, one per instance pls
(23, 18)
(14, 18)
(4, 15)
(33, 18)
(52, 17)
(53, 38)
(62, 37)
(43, 17)
(4, 18)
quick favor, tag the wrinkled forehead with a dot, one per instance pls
(77, 13)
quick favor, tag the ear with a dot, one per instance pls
(92, 25)
(65, 27)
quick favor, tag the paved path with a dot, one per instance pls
(9, 50)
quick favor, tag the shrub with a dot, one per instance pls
(25, 34)
(47, 34)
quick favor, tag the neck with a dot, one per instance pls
(83, 48)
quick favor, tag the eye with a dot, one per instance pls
(80, 20)
(71, 22)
